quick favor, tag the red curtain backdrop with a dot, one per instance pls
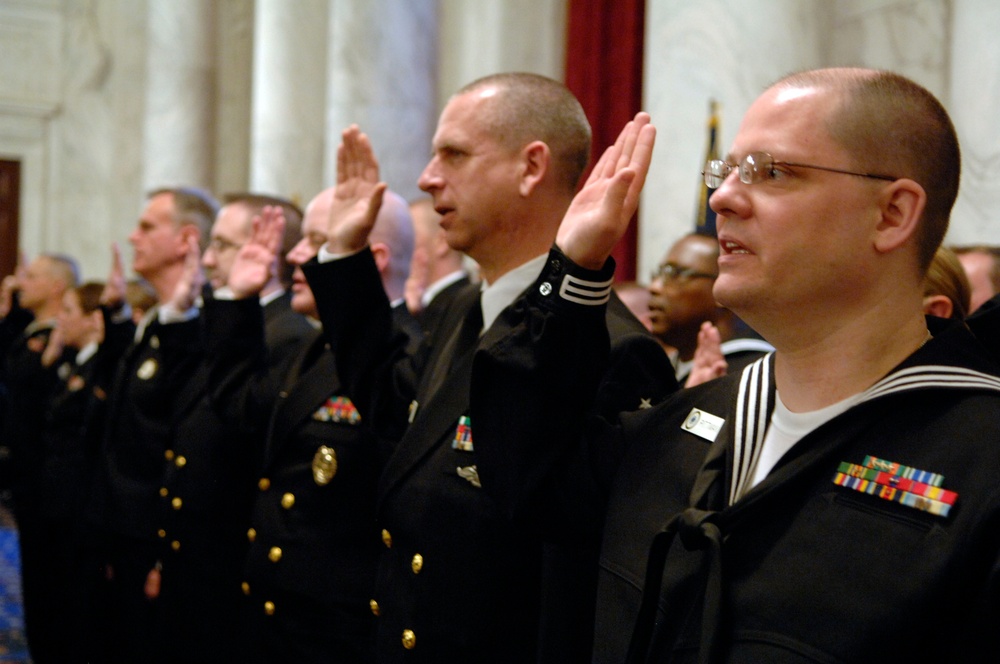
(604, 70)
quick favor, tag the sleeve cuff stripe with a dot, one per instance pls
(581, 291)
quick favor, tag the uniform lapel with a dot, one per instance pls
(315, 380)
(434, 419)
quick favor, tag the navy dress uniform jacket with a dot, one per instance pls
(313, 543)
(838, 555)
(204, 508)
(467, 573)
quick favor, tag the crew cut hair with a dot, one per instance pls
(890, 124)
(531, 107)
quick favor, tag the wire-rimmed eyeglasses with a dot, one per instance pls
(671, 272)
(219, 245)
(758, 167)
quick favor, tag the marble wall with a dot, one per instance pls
(102, 99)
(730, 50)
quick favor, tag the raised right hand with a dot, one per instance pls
(357, 196)
(257, 261)
(113, 294)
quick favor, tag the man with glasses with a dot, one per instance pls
(681, 302)
(284, 328)
(836, 500)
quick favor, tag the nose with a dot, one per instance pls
(208, 258)
(656, 286)
(430, 179)
(299, 254)
(731, 199)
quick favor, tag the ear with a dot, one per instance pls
(383, 255)
(938, 305)
(535, 162)
(96, 321)
(901, 205)
(183, 233)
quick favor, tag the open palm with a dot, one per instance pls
(257, 261)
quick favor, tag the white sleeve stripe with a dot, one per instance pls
(582, 291)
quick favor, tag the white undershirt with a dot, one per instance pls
(788, 428)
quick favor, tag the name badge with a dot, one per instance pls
(703, 424)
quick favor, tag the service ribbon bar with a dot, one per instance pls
(896, 483)
(338, 409)
(904, 471)
(463, 435)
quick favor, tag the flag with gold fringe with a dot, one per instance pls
(705, 223)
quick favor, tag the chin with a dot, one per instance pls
(303, 304)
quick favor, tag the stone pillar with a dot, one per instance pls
(972, 101)
(490, 37)
(289, 96)
(180, 94)
(383, 77)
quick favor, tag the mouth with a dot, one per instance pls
(729, 247)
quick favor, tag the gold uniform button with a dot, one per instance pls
(269, 608)
(176, 503)
(264, 484)
(161, 533)
(417, 563)
(288, 500)
(373, 605)
(168, 455)
(386, 538)
(163, 491)
(175, 545)
(274, 554)
(409, 639)
(246, 588)
(251, 534)
(180, 461)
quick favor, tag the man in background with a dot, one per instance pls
(681, 301)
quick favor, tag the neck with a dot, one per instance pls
(165, 281)
(46, 312)
(528, 232)
(844, 362)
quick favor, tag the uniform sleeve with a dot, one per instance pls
(547, 386)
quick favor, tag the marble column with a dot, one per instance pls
(494, 36)
(973, 97)
(234, 85)
(180, 94)
(289, 97)
(383, 76)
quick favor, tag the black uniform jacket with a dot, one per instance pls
(210, 466)
(874, 538)
(152, 381)
(312, 533)
(985, 324)
(466, 572)
(29, 387)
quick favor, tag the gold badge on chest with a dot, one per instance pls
(324, 465)
(147, 369)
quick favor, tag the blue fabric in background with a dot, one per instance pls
(13, 646)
